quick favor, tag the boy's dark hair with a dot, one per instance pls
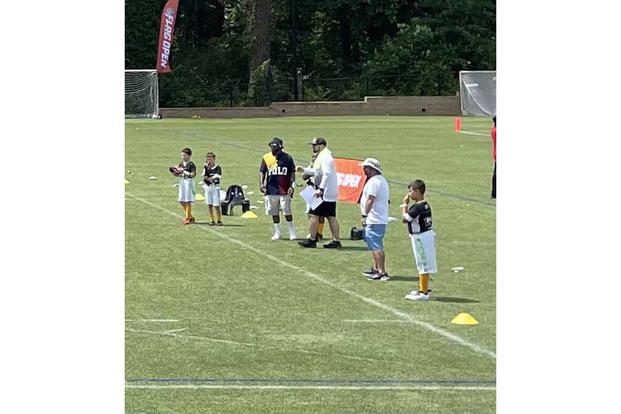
(418, 185)
(211, 154)
(187, 151)
(494, 119)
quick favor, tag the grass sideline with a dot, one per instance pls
(202, 309)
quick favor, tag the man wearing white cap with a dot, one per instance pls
(374, 209)
(324, 173)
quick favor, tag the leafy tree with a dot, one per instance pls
(345, 48)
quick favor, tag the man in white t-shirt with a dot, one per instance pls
(325, 179)
(374, 209)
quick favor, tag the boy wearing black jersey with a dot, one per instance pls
(418, 220)
(186, 171)
(212, 173)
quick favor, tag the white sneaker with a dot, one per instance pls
(416, 295)
(276, 236)
(293, 236)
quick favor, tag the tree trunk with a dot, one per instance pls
(259, 89)
(260, 29)
(342, 15)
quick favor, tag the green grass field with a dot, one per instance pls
(224, 320)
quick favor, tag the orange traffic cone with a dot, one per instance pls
(457, 123)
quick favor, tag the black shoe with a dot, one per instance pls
(379, 276)
(369, 272)
(220, 223)
(308, 243)
(374, 276)
(333, 245)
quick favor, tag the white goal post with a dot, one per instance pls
(141, 93)
(477, 92)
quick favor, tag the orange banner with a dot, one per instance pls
(167, 28)
(350, 178)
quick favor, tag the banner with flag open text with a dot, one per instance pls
(167, 28)
(350, 178)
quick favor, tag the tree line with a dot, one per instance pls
(253, 52)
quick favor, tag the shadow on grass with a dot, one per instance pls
(342, 249)
(206, 223)
(406, 278)
(449, 299)
(353, 248)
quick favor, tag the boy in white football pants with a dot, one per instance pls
(212, 173)
(186, 171)
(419, 222)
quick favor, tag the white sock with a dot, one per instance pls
(276, 228)
(291, 227)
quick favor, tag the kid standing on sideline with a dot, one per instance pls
(186, 171)
(212, 173)
(419, 222)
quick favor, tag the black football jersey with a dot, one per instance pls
(213, 172)
(421, 215)
(189, 167)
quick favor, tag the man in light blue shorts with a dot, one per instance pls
(374, 209)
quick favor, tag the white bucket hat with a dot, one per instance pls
(373, 163)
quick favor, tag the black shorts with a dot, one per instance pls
(325, 209)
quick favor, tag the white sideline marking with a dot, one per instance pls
(473, 133)
(315, 387)
(151, 320)
(356, 358)
(175, 330)
(203, 338)
(375, 321)
(455, 338)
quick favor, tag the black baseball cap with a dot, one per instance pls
(277, 141)
(318, 141)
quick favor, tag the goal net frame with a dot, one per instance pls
(142, 93)
(477, 97)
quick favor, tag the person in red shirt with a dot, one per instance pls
(494, 156)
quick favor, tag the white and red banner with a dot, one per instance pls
(351, 179)
(167, 28)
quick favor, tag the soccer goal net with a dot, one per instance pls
(477, 91)
(141, 94)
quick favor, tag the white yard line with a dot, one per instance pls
(375, 321)
(313, 387)
(474, 133)
(176, 335)
(151, 320)
(355, 358)
(175, 330)
(407, 317)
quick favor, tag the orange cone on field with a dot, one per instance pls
(457, 123)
